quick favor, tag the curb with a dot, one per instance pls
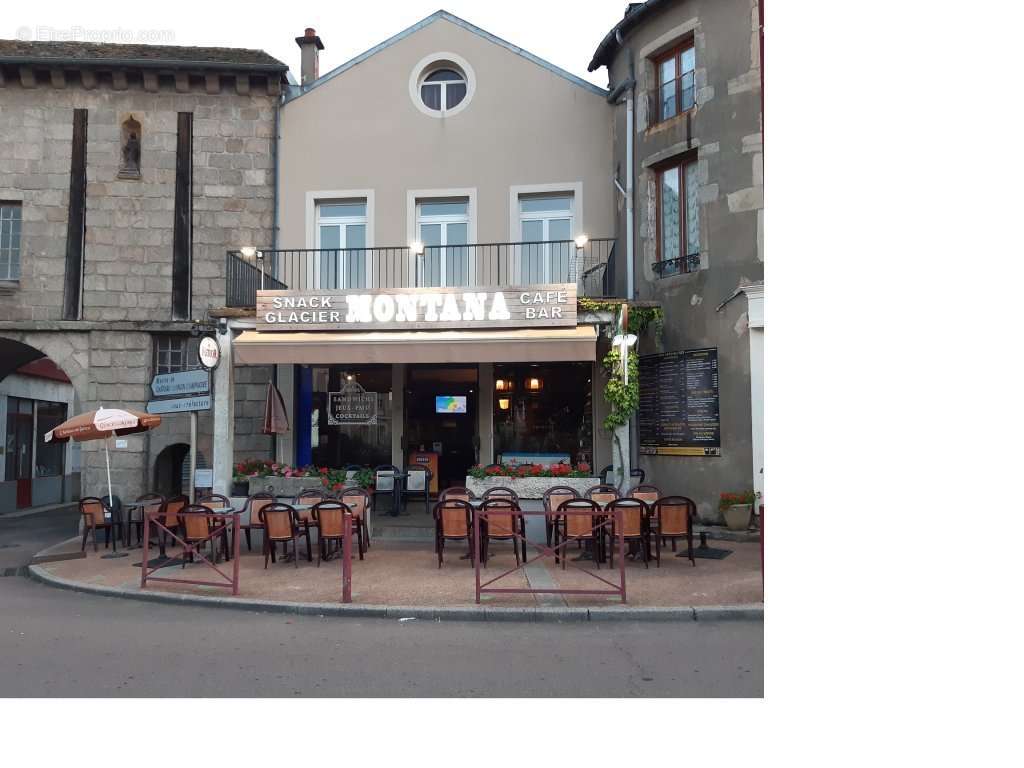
(457, 613)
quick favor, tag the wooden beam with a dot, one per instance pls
(242, 85)
(181, 82)
(28, 77)
(151, 81)
(120, 79)
(88, 79)
(57, 78)
(212, 83)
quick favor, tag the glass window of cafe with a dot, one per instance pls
(543, 413)
(351, 415)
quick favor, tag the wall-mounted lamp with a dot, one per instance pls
(416, 246)
(582, 240)
(502, 385)
(503, 403)
(534, 384)
(248, 251)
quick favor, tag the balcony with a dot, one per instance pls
(590, 266)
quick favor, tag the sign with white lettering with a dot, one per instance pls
(179, 405)
(540, 306)
(352, 405)
(183, 383)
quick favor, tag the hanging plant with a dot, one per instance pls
(622, 398)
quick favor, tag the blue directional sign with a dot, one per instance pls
(179, 405)
(183, 383)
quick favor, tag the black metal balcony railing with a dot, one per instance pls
(591, 267)
(677, 266)
(667, 100)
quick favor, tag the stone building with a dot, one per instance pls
(126, 172)
(685, 76)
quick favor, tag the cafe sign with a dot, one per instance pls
(539, 306)
(352, 405)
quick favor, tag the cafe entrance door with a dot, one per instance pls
(441, 419)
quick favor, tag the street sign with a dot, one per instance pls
(179, 405)
(209, 352)
(183, 383)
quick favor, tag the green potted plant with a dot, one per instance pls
(736, 509)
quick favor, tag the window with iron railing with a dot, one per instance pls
(678, 217)
(675, 92)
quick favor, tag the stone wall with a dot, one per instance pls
(250, 399)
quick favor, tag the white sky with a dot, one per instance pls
(565, 32)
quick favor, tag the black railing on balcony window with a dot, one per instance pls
(590, 266)
(672, 98)
(688, 263)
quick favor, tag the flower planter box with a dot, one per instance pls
(283, 486)
(737, 516)
(530, 487)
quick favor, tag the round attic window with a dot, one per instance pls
(442, 85)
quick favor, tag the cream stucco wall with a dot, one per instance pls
(524, 126)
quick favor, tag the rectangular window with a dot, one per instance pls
(443, 228)
(344, 261)
(675, 89)
(18, 448)
(173, 354)
(546, 230)
(49, 456)
(678, 218)
(10, 241)
(181, 250)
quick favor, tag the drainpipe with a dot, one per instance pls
(629, 84)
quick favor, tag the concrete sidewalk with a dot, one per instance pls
(402, 579)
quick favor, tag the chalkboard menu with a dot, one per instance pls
(679, 413)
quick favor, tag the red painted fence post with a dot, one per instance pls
(346, 559)
(235, 523)
(145, 546)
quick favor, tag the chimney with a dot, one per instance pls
(310, 46)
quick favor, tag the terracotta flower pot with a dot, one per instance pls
(737, 517)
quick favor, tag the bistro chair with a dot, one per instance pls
(602, 494)
(330, 520)
(579, 527)
(502, 520)
(93, 517)
(501, 492)
(417, 481)
(453, 521)
(553, 497)
(637, 474)
(606, 474)
(169, 519)
(308, 496)
(280, 524)
(254, 504)
(138, 524)
(635, 527)
(218, 502)
(386, 483)
(673, 518)
(648, 494)
(198, 521)
(358, 502)
(457, 492)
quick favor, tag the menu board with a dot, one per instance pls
(679, 413)
(352, 405)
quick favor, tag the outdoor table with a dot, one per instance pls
(126, 534)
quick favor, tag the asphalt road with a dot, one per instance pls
(59, 643)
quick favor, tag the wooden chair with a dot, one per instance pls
(502, 523)
(280, 524)
(553, 497)
(170, 520)
(417, 482)
(580, 527)
(673, 518)
(602, 494)
(197, 527)
(330, 520)
(254, 504)
(648, 494)
(93, 518)
(214, 501)
(358, 502)
(457, 492)
(501, 492)
(453, 521)
(141, 512)
(635, 527)
(305, 516)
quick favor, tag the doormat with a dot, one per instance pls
(708, 553)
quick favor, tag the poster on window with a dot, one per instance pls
(352, 405)
(679, 408)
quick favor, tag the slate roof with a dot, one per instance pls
(81, 54)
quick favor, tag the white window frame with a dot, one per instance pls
(413, 199)
(443, 85)
(342, 222)
(9, 244)
(573, 189)
(327, 196)
(431, 63)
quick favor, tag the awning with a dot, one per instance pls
(524, 345)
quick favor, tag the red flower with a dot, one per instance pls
(583, 466)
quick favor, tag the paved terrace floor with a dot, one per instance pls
(398, 572)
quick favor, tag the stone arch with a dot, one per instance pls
(69, 351)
